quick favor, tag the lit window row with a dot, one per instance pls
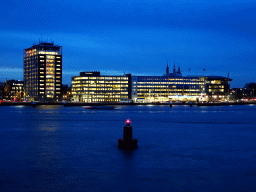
(99, 78)
(174, 82)
(48, 53)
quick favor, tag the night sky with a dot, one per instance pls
(133, 36)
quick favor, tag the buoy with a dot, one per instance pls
(127, 142)
(170, 103)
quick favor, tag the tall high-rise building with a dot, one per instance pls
(43, 72)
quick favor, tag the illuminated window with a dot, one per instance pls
(41, 56)
(49, 57)
(41, 68)
(216, 82)
(41, 60)
(41, 84)
(58, 69)
(78, 78)
(42, 88)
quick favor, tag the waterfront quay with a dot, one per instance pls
(74, 104)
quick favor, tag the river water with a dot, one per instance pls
(56, 148)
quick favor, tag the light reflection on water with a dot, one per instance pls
(180, 148)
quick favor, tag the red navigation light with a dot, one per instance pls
(128, 121)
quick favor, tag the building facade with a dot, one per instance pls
(217, 88)
(175, 87)
(164, 88)
(1, 90)
(92, 87)
(43, 72)
(13, 90)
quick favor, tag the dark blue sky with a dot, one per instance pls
(134, 36)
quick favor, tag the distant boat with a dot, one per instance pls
(101, 107)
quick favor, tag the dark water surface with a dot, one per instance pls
(56, 148)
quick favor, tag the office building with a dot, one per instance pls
(175, 87)
(43, 72)
(13, 90)
(93, 87)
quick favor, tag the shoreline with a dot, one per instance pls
(77, 104)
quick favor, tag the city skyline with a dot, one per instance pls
(134, 37)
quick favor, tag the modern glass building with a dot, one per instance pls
(92, 87)
(43, 72)
(175, 87)
(166, 88)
